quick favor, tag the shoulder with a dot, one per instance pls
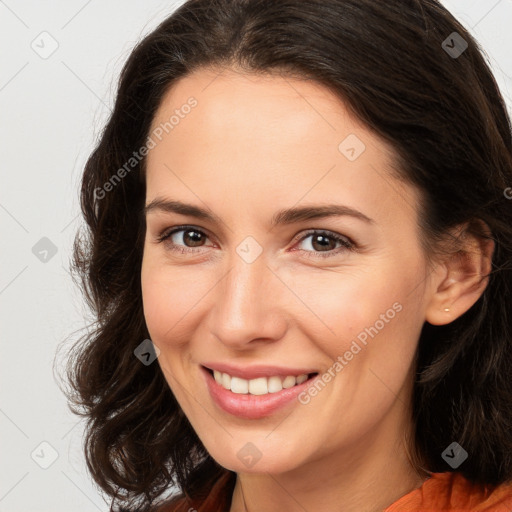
(218, 500)
(451, 491)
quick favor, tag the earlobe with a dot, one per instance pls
(461, 279)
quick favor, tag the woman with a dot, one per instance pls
(299, 253)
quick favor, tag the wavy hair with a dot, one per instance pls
(447, 122)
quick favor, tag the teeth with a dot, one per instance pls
(226, 381)
(289, 382)
(302, 378)
(274, 384)
(259, 386)
(240, 386)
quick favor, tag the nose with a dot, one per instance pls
(248, 305)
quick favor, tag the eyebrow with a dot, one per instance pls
(282, 217)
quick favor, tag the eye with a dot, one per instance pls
(325, 241)
(187, 234)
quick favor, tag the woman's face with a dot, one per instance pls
(265, 289)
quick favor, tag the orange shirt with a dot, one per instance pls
(452, 492)
(442, 492)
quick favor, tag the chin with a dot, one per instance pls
(257, 456)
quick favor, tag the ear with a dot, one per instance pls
(462, 275)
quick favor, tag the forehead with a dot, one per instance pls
(269, 139)
(259, 105)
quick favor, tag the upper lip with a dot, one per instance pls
(254, 371)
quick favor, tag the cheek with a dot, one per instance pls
(342, 306)
(158, 300)
(171, 301)
(377, 322)
(370, 316)
(168, 303)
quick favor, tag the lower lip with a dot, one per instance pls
(252, 406)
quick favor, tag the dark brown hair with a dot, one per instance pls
(444, 116)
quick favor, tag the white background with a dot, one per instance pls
(51, 112)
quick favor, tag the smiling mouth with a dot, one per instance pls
(260, 385)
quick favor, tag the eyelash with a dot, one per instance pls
(346, 243)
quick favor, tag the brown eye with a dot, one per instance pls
(325, 244)
(183, 239)
(192, 238)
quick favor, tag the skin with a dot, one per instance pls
(254, 145)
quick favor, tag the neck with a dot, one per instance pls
(346, 491)
(368, 477)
